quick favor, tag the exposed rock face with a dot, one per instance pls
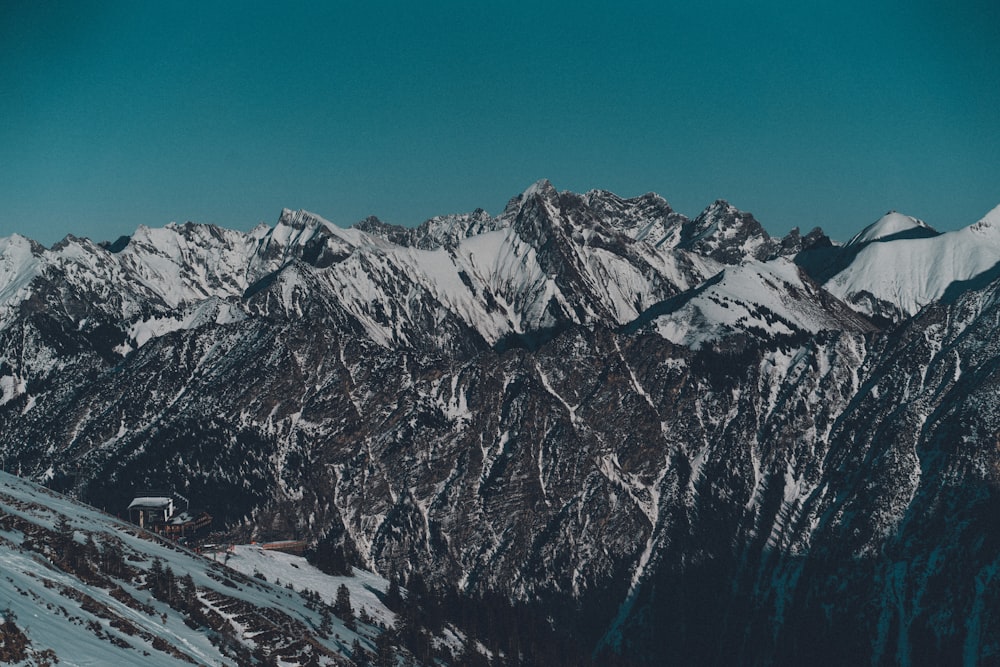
(727, 235)
(664, 431)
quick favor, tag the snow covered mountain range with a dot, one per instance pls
(675, 437)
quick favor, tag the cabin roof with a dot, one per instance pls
(150, 502)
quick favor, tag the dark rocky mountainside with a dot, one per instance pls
(681, 440)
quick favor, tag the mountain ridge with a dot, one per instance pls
(576, 404)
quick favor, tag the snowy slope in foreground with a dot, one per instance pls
(252, 560)
(91, 603)
(911, 273)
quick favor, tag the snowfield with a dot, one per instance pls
(910, 273)
(289, 569)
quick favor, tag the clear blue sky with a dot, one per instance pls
(115, 114)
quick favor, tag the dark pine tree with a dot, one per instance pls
(358, 654)
(154, 578)
(111, 561)
(393, 594)
(342, 605)
(385, 655)
(330, 559)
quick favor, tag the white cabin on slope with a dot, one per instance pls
(166, 513)
(151, 508)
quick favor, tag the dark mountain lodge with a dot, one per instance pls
(167, 513)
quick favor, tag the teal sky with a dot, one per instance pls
(116, 114)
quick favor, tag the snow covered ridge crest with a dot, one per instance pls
(550, 259)
(899, 264)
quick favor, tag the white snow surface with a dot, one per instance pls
(619, 259)
(188, 276)
(252, 559)
(888, 225)
(487, 272)
(209, 311)
(772, 297)
(911, 273)
(19, 265)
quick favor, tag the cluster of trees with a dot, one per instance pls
(384, 656)
(333, 557)
(90, 563)
(514, 634)
(522, 634)
(342, 605)
(179, 593)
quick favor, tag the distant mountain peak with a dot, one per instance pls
(376, 227)
(893, 225)
(727, 234)
(301, 219)
(720, 205)
(447, 230)
(542, 187)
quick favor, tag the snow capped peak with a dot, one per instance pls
(595, 196)
(296, 229)
(376, 228)
(19, 265)
(762, 299)
(918, 267)
(990, 221)
(893, 225)
(794, 242)
(541, 187)
(717, 216)
(447, 230)
(22, 244)
(603, 200)
(647, 217)
(301, 219)
(719, 207)
(727, 234)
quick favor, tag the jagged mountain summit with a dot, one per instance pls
(631, 423)
(550, 260)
